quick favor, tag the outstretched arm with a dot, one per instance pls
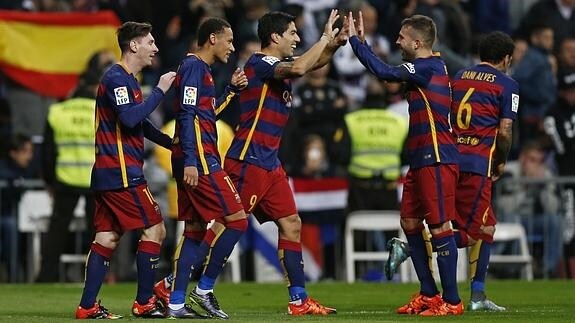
(131, 115)
(307, 61)
(333, 46)
(367, 57)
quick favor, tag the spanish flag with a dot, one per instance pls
(45, 52)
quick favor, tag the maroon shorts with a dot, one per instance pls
(126, 209)
(213, 198)
(473, 204)
(429, 193)
(265, 193)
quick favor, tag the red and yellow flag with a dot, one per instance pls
(45, 52)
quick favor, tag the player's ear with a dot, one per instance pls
(133, 46)
(275, 38)
(212, 39)
(416, 44)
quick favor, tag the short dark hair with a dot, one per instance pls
(275, 22)
(17, 142)
(532, 145)
(211, 26)
(494, 46)
(538, 27)
(424, 25)
(131, 30)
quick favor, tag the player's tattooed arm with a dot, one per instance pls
(287, 70)
(504, 140)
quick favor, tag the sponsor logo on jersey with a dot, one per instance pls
(409, 67)
(190, 95)
(514, 102)
(121, 94)
(270, 59)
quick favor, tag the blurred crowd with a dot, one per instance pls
(318, 142)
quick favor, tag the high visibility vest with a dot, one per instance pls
(377, 138)
(72, 122)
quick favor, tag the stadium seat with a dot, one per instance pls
(370, 220)
(508, 232)
(34, 213)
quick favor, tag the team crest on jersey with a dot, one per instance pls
(270, 59)
(514, 102)
(190, 95)
(409, 67)
(121, 94)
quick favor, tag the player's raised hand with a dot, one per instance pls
(343, 35)
(360, 29)
(328, 30)
(239, 79)
(351, 25)
(166, 81)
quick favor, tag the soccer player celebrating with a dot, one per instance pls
(429, 191)
(122, 199)
(485, 103)
(252, 160)
(205, 192)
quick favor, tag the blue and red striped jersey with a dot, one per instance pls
(482, 96)
(195, 138)
(265, 105)
(430, 140)
(121, 126)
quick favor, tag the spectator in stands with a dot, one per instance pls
(558, 14)
(560, 127)
(13, 166)
(537, 85)
(5, 122)
(448, 17)
(566, 56)
(315, 163)
(352, 74)
(488, 15)
(535, 205)
(319, 109)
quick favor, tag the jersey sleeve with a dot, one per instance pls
(156, 135)
(130, 113)
(404, 72)
(188, 95)
(264, 66)
(510, 100)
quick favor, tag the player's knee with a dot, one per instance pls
(441, 228)
(156, 233)
(411, 225)
(239, 225)
(290, 223)
(109, 239)
(192, 226)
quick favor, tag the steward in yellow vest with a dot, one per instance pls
(68, 152)
(376, 139)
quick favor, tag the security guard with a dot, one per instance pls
(68, 160)
(376, 138)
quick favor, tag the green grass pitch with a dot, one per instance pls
(540, 301)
